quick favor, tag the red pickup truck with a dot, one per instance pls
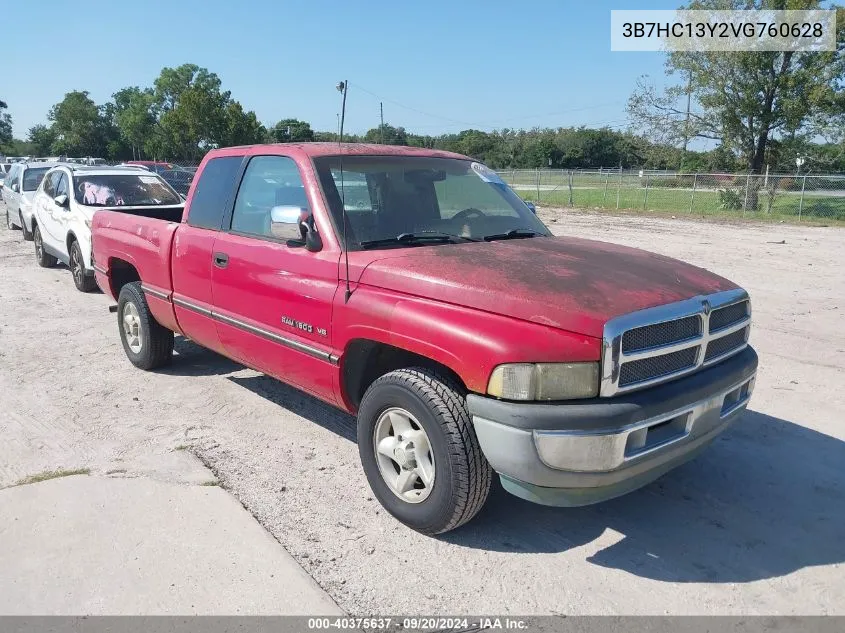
(465, 337)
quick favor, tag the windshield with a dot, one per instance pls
(32, 177)
(388, 196)
(123, 189)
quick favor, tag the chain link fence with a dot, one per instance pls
(767, 197)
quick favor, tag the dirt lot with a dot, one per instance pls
(755, 525)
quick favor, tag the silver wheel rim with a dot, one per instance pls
(403, 454)
(132, 327)
(76, 266)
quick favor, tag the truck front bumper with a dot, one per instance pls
(587, 451)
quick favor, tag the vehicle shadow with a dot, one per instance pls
(300, 403)
(191, 359)
(766, 499)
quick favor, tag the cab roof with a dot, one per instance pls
(313, 150)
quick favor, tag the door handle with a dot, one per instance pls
(221, 260)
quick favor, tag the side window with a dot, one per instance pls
(213, 191)
(50, 181)
(61, 186)
(268, 181)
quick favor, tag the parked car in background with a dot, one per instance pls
(467, 339)
(180, 179)
(152, 165)
(67, 199)
(19, 189)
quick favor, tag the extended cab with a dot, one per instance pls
(465, 337)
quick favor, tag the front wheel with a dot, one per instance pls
(147, 344)
(81, 279)
(44, 259)
(419, 450)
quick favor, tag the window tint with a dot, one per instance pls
(61, 186)
(269, 181)
(213, 191)
(50, 183)
(32, 178)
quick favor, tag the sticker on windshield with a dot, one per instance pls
(486, 174)
(150, 180)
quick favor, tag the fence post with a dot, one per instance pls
(606, 182)
(570, 188)
(692, 197)
(645, 198)
(747, 189)
(538, 184)
(618, 187)
(801, 202)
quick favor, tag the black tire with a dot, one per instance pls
(462, 474)
(81, 279)
(9, 224)
(156, 347)
(27, 234)
(44, 259)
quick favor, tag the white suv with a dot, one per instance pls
(67, 199)
(18, 192)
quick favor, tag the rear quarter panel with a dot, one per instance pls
(145, 244)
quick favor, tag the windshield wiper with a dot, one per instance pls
(418, 238)
(513, 234)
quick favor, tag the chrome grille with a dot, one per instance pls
(728, 316)
(661, 334)
(663, 343)
(638, 370)
(722, 346)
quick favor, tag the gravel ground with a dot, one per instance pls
(755, 525)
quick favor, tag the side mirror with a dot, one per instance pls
(296, 225)
(15, 187)
(531, 206)
(62, 200)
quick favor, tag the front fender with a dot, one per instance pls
(467, 341)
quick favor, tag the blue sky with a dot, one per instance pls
(439, 66)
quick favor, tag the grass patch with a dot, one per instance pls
(182, 447)
(52, 474)
(211, 482)
(682, 203)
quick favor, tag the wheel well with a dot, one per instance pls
(364, 361)
(121, 273)
(70, 239)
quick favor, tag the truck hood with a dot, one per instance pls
(568, 283)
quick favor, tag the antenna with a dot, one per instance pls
(342, 87)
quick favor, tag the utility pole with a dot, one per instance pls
(686, 122)
(381, 116)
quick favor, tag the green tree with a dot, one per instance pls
(387, 134)
(292, 131)
(78, 126)
(42, 138)
(242, 128)
(5, 125)
(745, 99)
(134, 116)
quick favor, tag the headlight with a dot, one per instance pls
(544, 381)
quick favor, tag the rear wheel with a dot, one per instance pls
(27, 234)
(44, 259)
(147, 344)
(420, 452)
(83, 281)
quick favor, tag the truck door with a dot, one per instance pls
(193, 249)
(272, 301)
